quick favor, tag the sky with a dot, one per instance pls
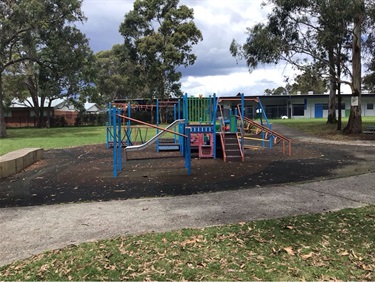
(215, 70)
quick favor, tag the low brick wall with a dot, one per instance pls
(16, 161)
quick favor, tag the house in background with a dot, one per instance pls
(303, 106)
(21, 113)
(92, 108)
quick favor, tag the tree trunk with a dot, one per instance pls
(3, 130)
(35, 99)
(339, 100)
(332, 89)
(339, 97)
(355, 120)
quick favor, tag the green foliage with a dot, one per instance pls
(329, 246)
(159, 37)
(276, 91)
(40, 44)
(310, 80)
(85, 118)
(118, 77)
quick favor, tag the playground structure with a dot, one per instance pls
(211, 126)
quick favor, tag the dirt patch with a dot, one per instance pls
(86, 173)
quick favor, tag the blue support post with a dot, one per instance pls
(185, 109)
(117, 141)
(174, 118)
(128, 130)
(119, 149)
(108, 125)
(271, 138)
(181, 129)
(214, 110)
(242, 121)
(179, 108)
(157, 124)
(113, 113)
(187, 150)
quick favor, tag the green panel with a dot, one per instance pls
(200, 109)
(233, 123)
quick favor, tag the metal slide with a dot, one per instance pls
(153, 139)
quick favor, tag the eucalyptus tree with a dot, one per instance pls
(310, 80)
(24, 27)
(68, 67)
(159, 36)
(318, 32)
(119, 77)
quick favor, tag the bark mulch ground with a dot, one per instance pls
(86, 173)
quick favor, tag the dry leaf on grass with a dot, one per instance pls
(289, 250)
(306, 256)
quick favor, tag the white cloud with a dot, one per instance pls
(240, 81)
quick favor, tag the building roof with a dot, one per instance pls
(56, 104)
(28, 103)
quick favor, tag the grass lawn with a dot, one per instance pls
(319, 127)
(64, 137)
(51, 138)
(330, 246)
(55, 138)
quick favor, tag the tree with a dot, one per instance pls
(310, 80)
(25, 26)
(65, 67)
(306, 33)
(159, 36)
(355, 120)
(119, 77)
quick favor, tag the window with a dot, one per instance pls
(370, 106)
(325, 106)
(299, 110)
(342, 106)
(7, 114)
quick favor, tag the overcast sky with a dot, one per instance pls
(215, 70)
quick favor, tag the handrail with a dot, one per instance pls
(263, 114)
(222, 121)
(222, 138)
(271, 132)
(154, 126)
(241, 151)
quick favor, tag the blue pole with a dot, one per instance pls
(214, 110)
(119, 152)
(157, 124)
(187, 151)
(179, 108)
(174, 118)
(271, 137)
(242, 121)
(108, 124)
(185, 109)
(128, 130)
(114, 142)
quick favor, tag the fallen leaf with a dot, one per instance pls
(289, 250)
(307, 256)
(186, 242)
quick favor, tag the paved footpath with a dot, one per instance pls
(26, 231)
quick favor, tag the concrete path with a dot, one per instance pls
(30, 230)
